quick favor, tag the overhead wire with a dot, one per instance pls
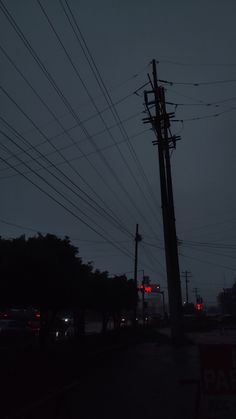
(207, 262)
(69, 159)
(203, 250)
(66, 131)
(214, 245)
(93, 66)
(197, 64)
(196, 84)
(82, 198)
(39, 231)
(153, 245)
(197, 118)
(57, 120)
(99, 208)
(43, 68)
(89, 95)
(153, 259)
(171, 90)
(1, 2)
(124, 251)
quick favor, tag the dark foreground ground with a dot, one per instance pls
(131, 375)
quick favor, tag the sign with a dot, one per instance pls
(218, 381)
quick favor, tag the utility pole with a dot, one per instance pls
(163, 303)
(195, 290)
(161, 125)
(145, 281)
(138, 238)
(186, 275)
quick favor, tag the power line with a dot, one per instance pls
(197, 118)
(186, 96)
(207, 104)
(207, 262)
(153, 245)
(196, 64)
(91, 62)
(70, 159)
(153, 260)
(63, 183)
(68, 106)
(122, 250)
(23, 227)
(208, 252)
(52, 164)
(210, 225)
(214, 245)
(196, 84)
(94, 104)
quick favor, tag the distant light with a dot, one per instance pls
(66, 319)
(37, 315)
(198, 307)
(57, 334)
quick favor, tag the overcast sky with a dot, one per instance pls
(68, 167)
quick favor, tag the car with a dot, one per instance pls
(11, 329)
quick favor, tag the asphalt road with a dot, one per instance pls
(143, 381)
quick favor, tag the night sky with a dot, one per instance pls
(73, 164)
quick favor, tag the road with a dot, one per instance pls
(143, 381)
(148, 380)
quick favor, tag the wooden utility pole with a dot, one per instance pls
(195, 290)
(164, 140)
(186, 275)
(138, 238)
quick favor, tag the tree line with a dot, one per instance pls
(46, 272)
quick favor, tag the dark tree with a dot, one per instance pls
(44, 272)
(112, 296)
(227, 300)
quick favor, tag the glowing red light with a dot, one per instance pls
(37, 315)
(198, 307)
(148, 290)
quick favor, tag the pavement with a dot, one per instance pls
(143, 380)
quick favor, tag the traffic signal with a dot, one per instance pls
(150, 288)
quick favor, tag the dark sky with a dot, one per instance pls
(69, 168)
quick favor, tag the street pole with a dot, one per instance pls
(195, 290)
(186, 275)
(143, 300)
(161, 124)
(138, 238)
(176, 283)
(163, 303)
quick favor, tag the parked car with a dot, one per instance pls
(11, 329)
